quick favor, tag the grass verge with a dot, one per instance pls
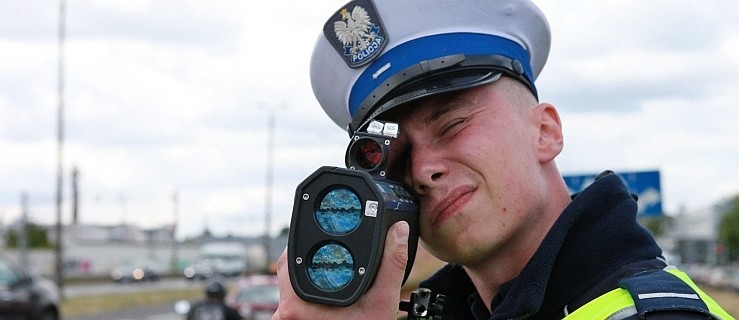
(101, 304)
(728, 299)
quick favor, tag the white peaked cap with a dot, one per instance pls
(376, 55)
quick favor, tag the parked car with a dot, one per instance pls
(136, 271)
(721, 277)
(201, 269)
(256, 297)
(23, 296)
(735, 280)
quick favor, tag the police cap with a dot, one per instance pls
(374, 55)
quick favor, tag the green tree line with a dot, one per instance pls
(728, 229)
(36, 237)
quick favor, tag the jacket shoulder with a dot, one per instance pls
(653, 294)
(670, 292)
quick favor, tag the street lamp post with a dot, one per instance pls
(59, 267)
(269, 181)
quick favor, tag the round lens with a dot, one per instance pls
(339, 212)
(331, 268)
(367, 153)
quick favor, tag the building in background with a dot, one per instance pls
(96, 250)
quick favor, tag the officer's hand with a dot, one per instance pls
(380, 301)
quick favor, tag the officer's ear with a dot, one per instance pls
(551, 140)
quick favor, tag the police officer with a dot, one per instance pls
(478, 149)
(213, 307)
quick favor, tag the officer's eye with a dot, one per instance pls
(452, 127)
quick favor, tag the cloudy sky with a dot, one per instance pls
(174, 96)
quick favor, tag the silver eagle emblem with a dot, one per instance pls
(354, 29)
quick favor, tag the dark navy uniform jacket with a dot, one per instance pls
(594, 244)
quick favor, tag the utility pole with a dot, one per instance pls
(23, 234)
(59, 265)
(269, 181)
(176, 216)
(75, 197)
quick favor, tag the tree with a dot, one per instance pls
(728, 229)
(658, 226)
(285, 231)
(37, 237)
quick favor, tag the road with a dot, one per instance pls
(81, 290)
(163, 312)
(727, 298)
(158, 312)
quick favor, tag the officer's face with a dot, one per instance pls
(471, 159)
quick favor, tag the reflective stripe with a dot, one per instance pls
(668, 295)
(617, 303)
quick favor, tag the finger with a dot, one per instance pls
(386, 287)
(282, 274)
(283, 283)
(282, 259)
(293, 307)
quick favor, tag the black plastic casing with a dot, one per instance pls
(365, 243)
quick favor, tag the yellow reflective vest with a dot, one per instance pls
(619, 304)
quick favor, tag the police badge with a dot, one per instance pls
(356, 32)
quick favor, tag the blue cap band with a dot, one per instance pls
(432, 47)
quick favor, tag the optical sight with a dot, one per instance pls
(340, 220)
(369, 151)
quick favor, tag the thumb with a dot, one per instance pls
(396, 245)
(386, 286)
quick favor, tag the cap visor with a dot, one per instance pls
(440, 83)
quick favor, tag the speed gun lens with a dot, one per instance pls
(331, 268)
(339, 212)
